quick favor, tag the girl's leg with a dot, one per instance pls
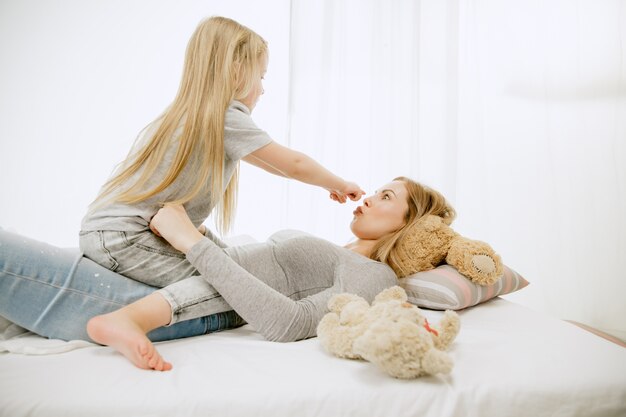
(142, 256)
(125, 330)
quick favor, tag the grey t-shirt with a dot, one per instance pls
(280, 287)
(241, 137)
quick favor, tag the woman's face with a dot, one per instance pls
(382, 213)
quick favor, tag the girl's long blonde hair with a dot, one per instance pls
(422, 201)
(222, 61)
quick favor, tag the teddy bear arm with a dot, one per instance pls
(474, 259)
(336, 338)
(447, 330)
(436, 362)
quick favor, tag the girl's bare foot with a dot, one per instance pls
(125, 336)
(172, 223)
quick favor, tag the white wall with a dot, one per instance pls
(79, 79)
(542, 149)
(515, 110)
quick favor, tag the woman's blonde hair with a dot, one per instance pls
(222, 61)
(422, 201)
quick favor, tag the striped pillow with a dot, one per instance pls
(445, 288)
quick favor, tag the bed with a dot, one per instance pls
(509, 361)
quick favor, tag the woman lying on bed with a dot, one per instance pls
(280, 287)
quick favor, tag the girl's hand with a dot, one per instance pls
(173, 224)
(337, 196)
(350, 190)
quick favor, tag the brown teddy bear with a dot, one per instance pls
(390, 333)
(431, 241)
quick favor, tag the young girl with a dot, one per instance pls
(190, 155)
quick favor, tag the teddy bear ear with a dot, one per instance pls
(394, 293)
(339, 301)
(430, 223)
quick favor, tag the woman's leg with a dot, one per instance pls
(54, 292)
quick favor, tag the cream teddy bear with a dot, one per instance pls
(390, 333)
(430, 242)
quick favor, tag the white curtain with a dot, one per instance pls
(369, 98)
(516, 111)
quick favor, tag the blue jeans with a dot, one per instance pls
(142, 256)
(54, 292)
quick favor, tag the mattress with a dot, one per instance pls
(509, 361)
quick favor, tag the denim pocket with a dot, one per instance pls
(93, 246)
(142, 256)
(152, 243)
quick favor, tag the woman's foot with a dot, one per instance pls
(127, 337)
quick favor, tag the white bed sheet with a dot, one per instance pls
(509, 361)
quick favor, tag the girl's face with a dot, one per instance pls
(257, 90)
(382, 213)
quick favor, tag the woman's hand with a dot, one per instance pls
(173, 224)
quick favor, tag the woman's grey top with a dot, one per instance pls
(280, 287)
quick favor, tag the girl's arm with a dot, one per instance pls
(286, 162)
